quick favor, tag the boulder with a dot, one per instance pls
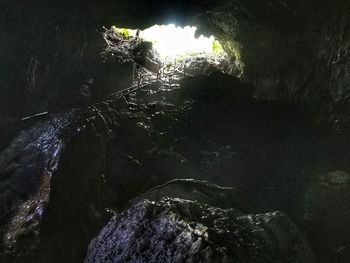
(177, 230)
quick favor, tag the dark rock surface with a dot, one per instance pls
(45, 181)
(327, 214)
(176, 230)
(116, 150)
(60, 173)
(289, 50)
(201, 191)
(26, 168)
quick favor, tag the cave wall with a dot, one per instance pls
(297, 59)
(290, 50)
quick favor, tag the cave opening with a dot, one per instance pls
(173, 49)
(174, 42)
(218, 131)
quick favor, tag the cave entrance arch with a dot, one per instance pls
(178, 48)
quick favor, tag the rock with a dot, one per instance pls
(26, 168)
(199, 65)
(46, 175)
(196, 190)
(177, 230)
(228, 89)
(327, 216)
(145, 55)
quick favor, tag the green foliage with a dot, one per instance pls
(233, 49)
(123, 31)
(217, 48)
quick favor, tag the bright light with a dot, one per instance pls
(172, 42)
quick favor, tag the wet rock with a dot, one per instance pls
(176, 230)
(146, 56)
(327, 216)
(196, 190)
(26, 168)
(51, 185)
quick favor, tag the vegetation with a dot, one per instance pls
(123, 31)
(233, 49)
(217, 48)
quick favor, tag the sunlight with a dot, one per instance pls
(172, 42)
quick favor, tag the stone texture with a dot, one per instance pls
(290, 50)
(51, 59)
(176, 230)
(200, 191)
